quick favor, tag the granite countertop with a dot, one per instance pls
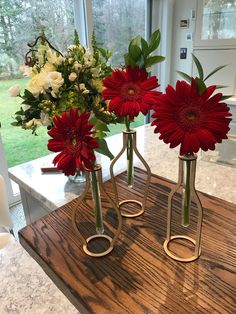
(55, 190)
(25, 288)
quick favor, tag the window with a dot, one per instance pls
(21, 22)
(216, 23)
(115, 23)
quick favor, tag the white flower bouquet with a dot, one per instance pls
(61, 82)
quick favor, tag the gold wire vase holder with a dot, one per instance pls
(186, 186)
(130, 146)
(95, 185)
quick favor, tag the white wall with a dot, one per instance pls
(182, 10)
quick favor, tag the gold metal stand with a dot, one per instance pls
(120, 204)
(195, 198)
(96, 236)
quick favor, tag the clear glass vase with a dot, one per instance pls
(186, 197)
(94, 187)
(96, 201)
(130, 148)
(78, 177)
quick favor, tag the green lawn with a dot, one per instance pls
(20, 145)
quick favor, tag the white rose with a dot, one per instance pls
(39, 83)
(72, 76)
(14, 91)
(55, 80)
(82, 86)
(70, 60)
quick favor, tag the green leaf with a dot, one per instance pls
(134, 52)
(28, 95)
(135, 41)
(154, 41)
(187, 77)
(98, 124)
(103, 52)
(129, 60)
(19, 112)
(216, 70)
(199, 67)
(226, 97)
(103, 148)
(141, 63)
(152, 60)
(220, 86)
(200, 85)
(18, 118)
(15, 124)
(144, 46)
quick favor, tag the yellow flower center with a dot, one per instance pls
(131, 91)
(191, 115)
(73, 141)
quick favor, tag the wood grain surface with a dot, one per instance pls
(137, 276)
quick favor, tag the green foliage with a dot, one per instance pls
(200, 80)
(103, 148)
(139, 51)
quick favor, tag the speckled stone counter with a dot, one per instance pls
(25, 288)
(54, 190)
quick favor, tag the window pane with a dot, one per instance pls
(21, 22)
(116, 23)
(219, 19)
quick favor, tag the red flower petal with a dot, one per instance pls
(71, 136)
(183, 116)
(130, 92)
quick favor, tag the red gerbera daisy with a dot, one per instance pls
(130, 92)
(182, 116)
(71, 136)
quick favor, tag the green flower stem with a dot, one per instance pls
(97, 203)
(129, 154)
(187, 194)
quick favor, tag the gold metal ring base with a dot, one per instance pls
(123, 214)
(96, 236)
(177, 258)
